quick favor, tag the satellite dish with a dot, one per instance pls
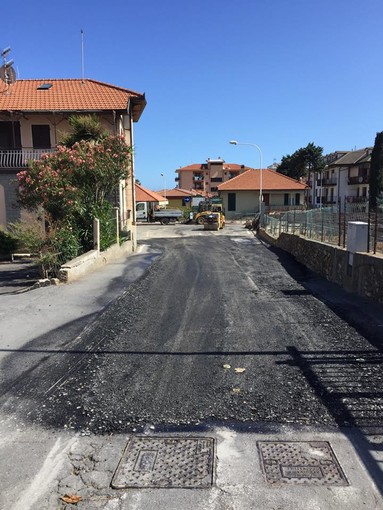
(7, 74)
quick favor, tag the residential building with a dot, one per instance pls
(178, 197)
(345, 178)
(240, 195)
(34, 115)
(208, 176)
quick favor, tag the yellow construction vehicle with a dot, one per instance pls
(213, 221)
(208, 207)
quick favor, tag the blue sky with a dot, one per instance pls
(277, 73)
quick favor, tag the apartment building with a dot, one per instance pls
(34, 115)
(208, 176)
(345, 178)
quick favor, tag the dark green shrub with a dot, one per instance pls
(8, 243)
(84, 224)
(60, 247)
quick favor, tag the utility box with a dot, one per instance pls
(357, 236)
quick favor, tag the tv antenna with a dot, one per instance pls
(7, 73)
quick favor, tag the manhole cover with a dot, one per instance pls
(304, 463)
(166, 462)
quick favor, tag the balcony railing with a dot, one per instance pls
(359, 179)
(357, 200)
(327, 182)
(18, 158)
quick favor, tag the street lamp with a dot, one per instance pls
(162, 175)
(234, 142)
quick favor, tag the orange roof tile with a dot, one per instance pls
(67, 96)
(271, 181)
(204, 166)
(146, 195)
(179, 193)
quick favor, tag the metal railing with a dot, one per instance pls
(19, 158)
(328, 224)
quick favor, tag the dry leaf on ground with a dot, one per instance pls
(240, 370)
(226, 366)
(236, 390)
(72, 499)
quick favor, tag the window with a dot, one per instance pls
(213, 188)
(297, 198)
(10, 135)
(216, 179)
(44, 86)
(231, 202)
(286, 199)
(41, 136)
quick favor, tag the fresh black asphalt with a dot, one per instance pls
(165, 352)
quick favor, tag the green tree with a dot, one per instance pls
(302, 162)
(294, 165)
(83, 127)
(376, 171)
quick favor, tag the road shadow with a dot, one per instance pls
(361, 406)
(18, 276)
(364, 315)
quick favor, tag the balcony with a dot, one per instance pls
(356, 200)
(19, 158)
(333, 181)
(197, 178)
(359, 179)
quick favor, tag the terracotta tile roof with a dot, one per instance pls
(194, 167)
(204, 166)
(179, 193)
(271, 181)
(146, 195)
(67, 96)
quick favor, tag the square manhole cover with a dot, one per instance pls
(166, 462)
(300, 462)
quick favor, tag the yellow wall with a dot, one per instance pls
(247, 202)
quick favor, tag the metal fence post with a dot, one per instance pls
(321, 218)
(344, 224)
(368, 227)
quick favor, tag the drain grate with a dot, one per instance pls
(302, 463)
(166, 462)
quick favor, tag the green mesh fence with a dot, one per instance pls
(328, 224)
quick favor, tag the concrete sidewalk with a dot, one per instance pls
(46, 468)
(268, 467)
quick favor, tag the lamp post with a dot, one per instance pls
(234, 142)
(162, 175)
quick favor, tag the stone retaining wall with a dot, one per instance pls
(364, 277)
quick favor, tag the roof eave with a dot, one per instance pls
(136, 106)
